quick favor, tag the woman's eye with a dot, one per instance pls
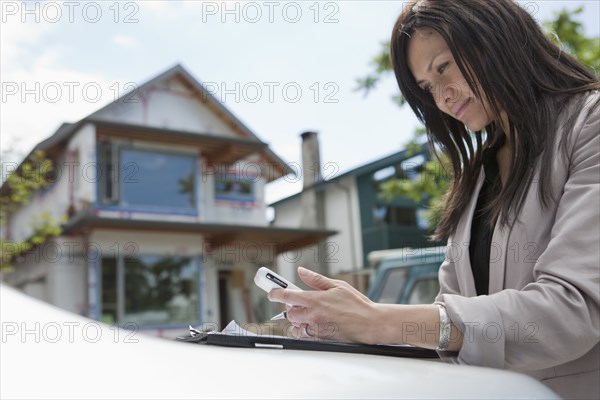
(442, 68)
(427, 88)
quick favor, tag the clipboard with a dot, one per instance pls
(279, 342)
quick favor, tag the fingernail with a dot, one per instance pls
(304, 271)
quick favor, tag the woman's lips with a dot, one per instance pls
(458, 114)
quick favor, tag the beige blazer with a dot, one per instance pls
(542, 314)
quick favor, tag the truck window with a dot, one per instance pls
(393, 284)
(424, 291)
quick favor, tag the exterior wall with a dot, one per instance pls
(86, 169)
(68, 274)
(240, 260)
(340, 253)
(288, 214)
(169, 104)
(230, 211)
(166, 105)
(209, 209)
(55, 274)
(71, 184)
(344, 250)
(30, 276)
(64, 272)
(247, 302)
(54, 200)
(70, 278)
(121, 242)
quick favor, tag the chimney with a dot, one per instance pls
(312, 201)
(311, 159)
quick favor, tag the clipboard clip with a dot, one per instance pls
(195, 332)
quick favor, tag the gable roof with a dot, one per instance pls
(197, 88)
(66, 130)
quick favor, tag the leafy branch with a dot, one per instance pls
(17, 191)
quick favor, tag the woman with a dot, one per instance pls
(520, 122)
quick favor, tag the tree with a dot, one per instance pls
(567, 33)
(427, 188)
(19, 186)
(433, 181)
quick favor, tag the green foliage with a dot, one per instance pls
(429, 187)
(570, 37)
(21, 184)
(433, 182)
(382, 65)
(17, 191)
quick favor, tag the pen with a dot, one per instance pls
(281, 315)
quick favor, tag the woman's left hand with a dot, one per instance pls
(334, 310)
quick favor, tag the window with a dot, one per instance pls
(424, 291)
(392, 215)
(233, 187)
(109, 291)
(150, 290)
(413, 166)
(108, 153)
(147, 179)
(384, 174)
(422, 215)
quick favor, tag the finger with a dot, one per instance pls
(314, 280)
(296, 331)
(290, 297)
(302, 331)
(307, 331)
(298, 315)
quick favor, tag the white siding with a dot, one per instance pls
(338, 250)
(54, 200)
(54, 272)
(337, 217)
(167, 105)
(233, 212)
(84, 175)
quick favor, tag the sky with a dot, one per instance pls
(281, 67)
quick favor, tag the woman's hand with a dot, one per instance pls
(334, 310)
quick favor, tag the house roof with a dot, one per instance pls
(214, 105)
(248, 140)
(364, 169)
(216, 149)
(218, 235)
(211, 102)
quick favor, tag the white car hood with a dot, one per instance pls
(47, 352)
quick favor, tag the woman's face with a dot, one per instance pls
(433, 66)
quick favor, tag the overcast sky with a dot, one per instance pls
(280, 67)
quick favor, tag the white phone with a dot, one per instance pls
(268, 280)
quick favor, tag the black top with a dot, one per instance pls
(481, 232)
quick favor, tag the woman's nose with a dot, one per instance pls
(450, 93)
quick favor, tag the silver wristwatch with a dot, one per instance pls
(445, 328)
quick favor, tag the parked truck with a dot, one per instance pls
(406, 276)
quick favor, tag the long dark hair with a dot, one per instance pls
(499, 45)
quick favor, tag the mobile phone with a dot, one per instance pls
(268, 280)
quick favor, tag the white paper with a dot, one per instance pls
(233, 329)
